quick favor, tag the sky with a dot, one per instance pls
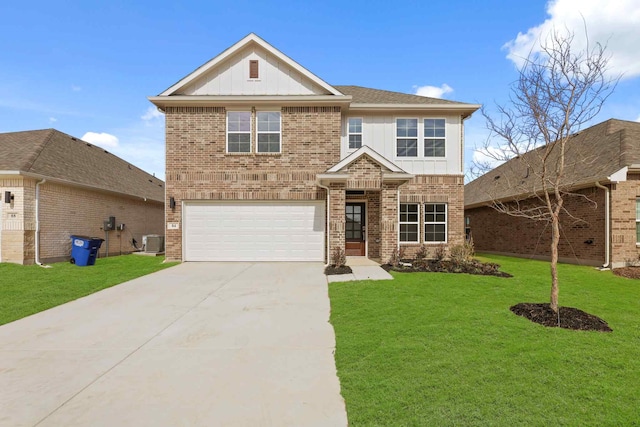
(87, 67)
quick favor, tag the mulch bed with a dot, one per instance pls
(570, 318)
(435, 266)
(628, 272)
(332, 269)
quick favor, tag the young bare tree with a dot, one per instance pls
(557, 92)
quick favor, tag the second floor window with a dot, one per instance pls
(238, 132)
(268, 133)
(355, 133)
(434, 138)
(407, 137)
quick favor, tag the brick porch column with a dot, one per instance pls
(388, 220)
(336, 216)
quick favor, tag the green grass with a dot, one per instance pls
(432, 349)
(25, 290)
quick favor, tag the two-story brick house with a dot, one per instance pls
(266, 161)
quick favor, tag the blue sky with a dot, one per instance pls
(86, 68)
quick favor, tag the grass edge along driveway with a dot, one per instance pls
(29, 289)
(444, 349)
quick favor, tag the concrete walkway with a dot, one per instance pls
(199, 344)
(362, 269)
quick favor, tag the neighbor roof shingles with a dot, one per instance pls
(51, 153)
(591, 155)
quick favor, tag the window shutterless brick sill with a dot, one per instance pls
(254, 154)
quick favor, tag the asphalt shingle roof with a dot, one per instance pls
(56, 155)
(365, 95)
(591, 155)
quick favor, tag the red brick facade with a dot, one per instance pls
(624, 246)
(581, 242)
(199, 168)
(67, 210)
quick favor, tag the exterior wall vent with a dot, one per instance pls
(253, 69)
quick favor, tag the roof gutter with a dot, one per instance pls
(465, 109)
(607, 225)
(241, 100)
(76, 184)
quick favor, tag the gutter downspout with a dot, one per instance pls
(607, 225)
(398, 216)
(38, 225)
(328, 220)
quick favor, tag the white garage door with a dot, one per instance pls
(254, 231)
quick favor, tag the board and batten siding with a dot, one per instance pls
(379, 133)
(232, 77)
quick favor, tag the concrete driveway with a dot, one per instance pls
(199, 344)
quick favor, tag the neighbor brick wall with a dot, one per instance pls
(496, 232)
(623, 221)
(447, 189)
(198, 167)
(66, 210)
(15, 239)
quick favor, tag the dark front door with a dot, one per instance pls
(355, 229)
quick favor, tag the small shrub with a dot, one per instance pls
(441, 252)
(338, 257)
(396, 256)
(421, 253)
(462, 254)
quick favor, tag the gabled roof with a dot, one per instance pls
(338, 173)
(598, 153)
(365, 150)
(246, 41)
(63, 158)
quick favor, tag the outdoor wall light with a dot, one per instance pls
(8, 197)
(172, 203)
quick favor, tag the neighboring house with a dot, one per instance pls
(602, 226)
(54, 185)
(263, 157)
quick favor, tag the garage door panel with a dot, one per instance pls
(254, 231)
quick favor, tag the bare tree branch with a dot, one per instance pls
(558, 91)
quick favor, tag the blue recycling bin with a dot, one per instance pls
(84, 250)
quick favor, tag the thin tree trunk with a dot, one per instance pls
(555, 239)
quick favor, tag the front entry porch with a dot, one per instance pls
(363, 191)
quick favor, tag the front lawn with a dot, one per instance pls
(25, 290)
(435, 349)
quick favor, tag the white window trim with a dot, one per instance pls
(446, 223)
(349, 133)
(279, 132)
(425, 138)
(250, 132)
(396, 137)
(417, 222)
(637, 221)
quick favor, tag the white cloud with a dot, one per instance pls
(103, 140)
(76, 88)
(52, 120)
(638, 119)
(152, 113)
(611, 23)
(433, 91)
